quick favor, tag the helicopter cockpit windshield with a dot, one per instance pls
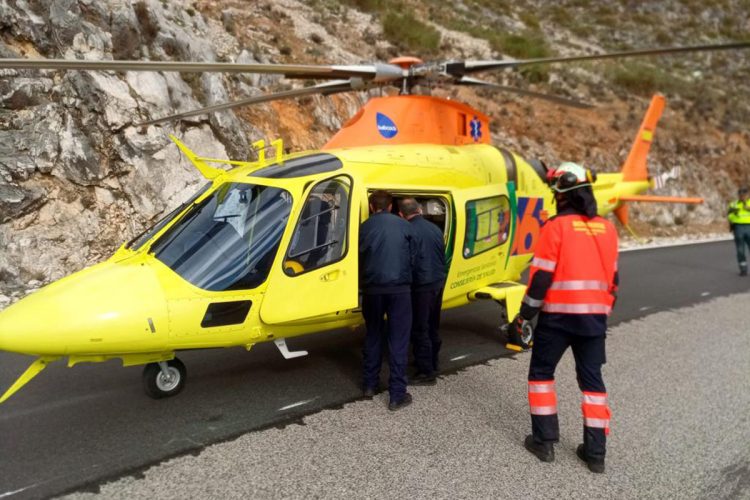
(229, 240)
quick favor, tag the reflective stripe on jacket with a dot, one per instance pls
(581, 254)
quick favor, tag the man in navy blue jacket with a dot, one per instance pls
(386, 255)
(426, 291)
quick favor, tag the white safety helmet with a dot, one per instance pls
(569, 176)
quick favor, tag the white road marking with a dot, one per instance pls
(705, 294)
(457, 358)
(9, 493)
(645, 308)
(298, 403)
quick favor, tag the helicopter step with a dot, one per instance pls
(284, 350)
(511, 294)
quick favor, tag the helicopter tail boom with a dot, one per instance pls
(634, 174)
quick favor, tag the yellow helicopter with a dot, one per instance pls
(267, 249)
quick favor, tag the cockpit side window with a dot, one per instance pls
(320, 237)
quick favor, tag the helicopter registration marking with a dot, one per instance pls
(528, 224)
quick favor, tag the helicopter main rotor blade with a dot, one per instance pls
(476, 66)
(327, 88)
(373, 72)
(529, 93)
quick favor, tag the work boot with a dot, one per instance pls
(369, 392)
(423, 379)
(397, 405)
(595, 464)
(543, 451)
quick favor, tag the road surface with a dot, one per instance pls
(73, 428)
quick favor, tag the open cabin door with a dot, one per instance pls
(484, 228)
(318, 274)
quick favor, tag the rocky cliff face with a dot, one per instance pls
(77, 179)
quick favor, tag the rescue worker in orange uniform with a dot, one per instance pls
(572, 287)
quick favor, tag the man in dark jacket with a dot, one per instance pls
(386, 255)
(426, 291)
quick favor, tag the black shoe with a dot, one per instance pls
(743, 272)
(595, 464)
(422, 379)
(405, 401)
(543, 451)
(369, 392)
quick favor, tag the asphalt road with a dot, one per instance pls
(680, 406)
(75, 427)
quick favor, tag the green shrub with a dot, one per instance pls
(529, 19)
(366, 5)
(528, 45)
(644, 79)
(560, 15)
(407, 32)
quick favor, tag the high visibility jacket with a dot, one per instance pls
(581, 254)
(739, 212)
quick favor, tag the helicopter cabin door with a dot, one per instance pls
(318, 273)
(482, 239)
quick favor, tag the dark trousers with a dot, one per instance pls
(742, 240)
(395, 330)
(589, 353)
(425, 337)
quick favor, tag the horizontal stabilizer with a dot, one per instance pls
(661, 199)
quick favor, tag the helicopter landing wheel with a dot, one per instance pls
(519, 342)
(527, 336)
(164, 379)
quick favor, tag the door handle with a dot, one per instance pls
(331, 275)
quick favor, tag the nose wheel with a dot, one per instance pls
(519, 341)
(164, 379)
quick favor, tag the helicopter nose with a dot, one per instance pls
(23, 326)
(108, 308)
